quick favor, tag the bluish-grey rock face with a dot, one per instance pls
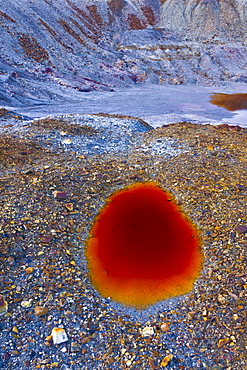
(60, 49)
(206, 18)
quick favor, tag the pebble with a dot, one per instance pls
(147, 331)
(3, 305)
(67, 141)
(29, 270)
(40, 311)
(15, 329)
(60, 194)
(221, 299)
(164, 327)
(69, 206)
(166, 360)
(46, 239)
(27, 304)
(75, 347)
(241, 229)
(59, 335)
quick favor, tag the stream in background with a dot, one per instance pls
(156, 104)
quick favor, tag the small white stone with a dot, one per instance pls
(147, 331)
(59, 335)
(67, 141)
(221, 299)
(27, 304)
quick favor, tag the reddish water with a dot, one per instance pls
(230, 102)
(142, 249)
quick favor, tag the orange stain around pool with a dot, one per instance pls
(142, 249)
(230, 102)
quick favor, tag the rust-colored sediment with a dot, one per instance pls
(230, 102)
(141, 248)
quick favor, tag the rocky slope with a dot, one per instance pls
(44, 276)
(56, 49)
(206, 19)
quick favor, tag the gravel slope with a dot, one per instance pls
(44, 278)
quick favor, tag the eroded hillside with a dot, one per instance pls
(53, 50)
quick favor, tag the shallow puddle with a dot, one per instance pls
(236, 103)
(231, 102)
(142, 248)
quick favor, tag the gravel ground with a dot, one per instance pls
(56, 174)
